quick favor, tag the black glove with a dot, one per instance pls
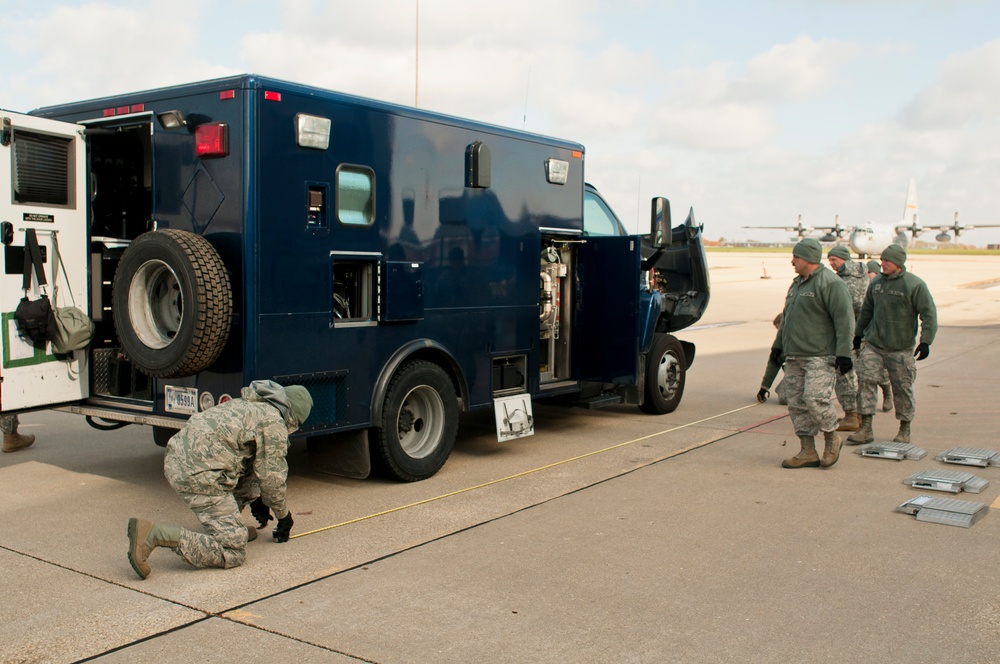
(763, 394)
(283, 529)
(857, 343)
(775, 357)
(922, 351)
(844, 364)
(260, 512)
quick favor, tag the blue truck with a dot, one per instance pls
(403, 265)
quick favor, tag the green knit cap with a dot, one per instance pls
(894, 254)
(840, 251)
(809, 250)
(874, 266)
(299, 402)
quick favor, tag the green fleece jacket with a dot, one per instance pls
(818, 318)
(889, 315)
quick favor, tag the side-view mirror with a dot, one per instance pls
(660, 223)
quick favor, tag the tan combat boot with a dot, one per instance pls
(806, 458)
(143, 537)
(12, 442)
(904, 432)
(851, 421)
(832, 451)
(886, 398)
(864, 434)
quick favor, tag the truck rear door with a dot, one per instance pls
(42, 187)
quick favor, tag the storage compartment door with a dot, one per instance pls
(42, 187)
(606, 318)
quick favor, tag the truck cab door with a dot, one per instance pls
(606, 327)
(42, 187)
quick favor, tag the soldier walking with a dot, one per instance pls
(224, 458)
(888, 326)
(855, 277)
(814, 339)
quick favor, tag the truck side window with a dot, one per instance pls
(597, 218)
(352, 290)
(355, 195)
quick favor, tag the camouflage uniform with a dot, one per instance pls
(888, 323)
(8, 424)
(816, 327)
(224, 458)
(855, 277)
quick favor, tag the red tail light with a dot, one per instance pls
(211, 140)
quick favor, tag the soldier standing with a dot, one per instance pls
(855, 277)
(814, 338)
(875, 269)
(224, 458)
(888, 326)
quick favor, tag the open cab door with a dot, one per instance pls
(42, 187)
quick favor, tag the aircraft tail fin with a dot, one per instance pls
(910, 205)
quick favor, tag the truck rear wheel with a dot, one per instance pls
(419, 423)
(172, 303)
(665, 373)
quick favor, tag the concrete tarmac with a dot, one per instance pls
(609, 536)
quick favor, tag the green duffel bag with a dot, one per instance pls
(74, 330)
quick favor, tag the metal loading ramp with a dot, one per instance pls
(897, 451)
(970, 456)
(948, 511)
(952, 481)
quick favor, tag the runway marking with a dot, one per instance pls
(553, 465)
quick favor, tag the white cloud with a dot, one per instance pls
(965, 93)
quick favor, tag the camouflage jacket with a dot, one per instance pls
(855, 276)
(243, 440)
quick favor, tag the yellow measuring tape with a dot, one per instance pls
(541, 468)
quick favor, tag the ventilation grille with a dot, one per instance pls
(41, 168)
(329, 394)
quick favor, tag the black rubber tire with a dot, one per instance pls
(419, 423)
(665, 375)
(172, 303)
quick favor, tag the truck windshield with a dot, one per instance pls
(598, 219)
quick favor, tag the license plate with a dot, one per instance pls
(181, 399)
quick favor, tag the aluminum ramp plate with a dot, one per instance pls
(948, 511)
(897, 451)
(951, 481)
(970, 456)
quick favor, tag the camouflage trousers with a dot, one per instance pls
(810, 387)
(902, 370)
(847, 390)
(224, 542)
(8, 423)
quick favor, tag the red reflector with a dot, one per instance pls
(227, 94)
(108, 112)
(138, 108)
(272, 96)
(121, 110)
(210, 140)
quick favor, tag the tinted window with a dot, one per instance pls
(597, 218)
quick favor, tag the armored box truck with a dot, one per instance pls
(403, 265)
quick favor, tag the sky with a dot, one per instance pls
(751, 113)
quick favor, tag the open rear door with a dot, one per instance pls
(42, 187)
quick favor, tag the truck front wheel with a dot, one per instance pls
(665, 373)
(419, 423)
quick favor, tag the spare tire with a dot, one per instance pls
(172, 303)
